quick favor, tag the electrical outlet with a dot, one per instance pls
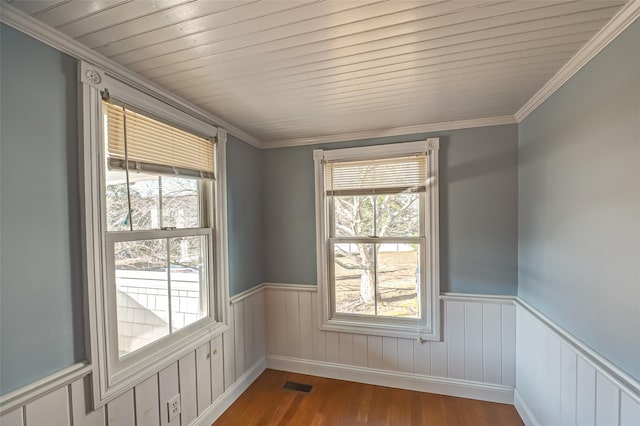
(173, 406)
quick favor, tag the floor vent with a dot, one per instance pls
(297, 387)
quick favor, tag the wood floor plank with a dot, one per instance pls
(338, 402)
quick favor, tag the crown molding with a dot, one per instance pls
(625, 17)
(395, 131)
(40, 31)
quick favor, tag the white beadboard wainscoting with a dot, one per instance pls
(561, 381)
(494, 348)
(208, 379)
(476, 358)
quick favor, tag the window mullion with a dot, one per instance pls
(375, 278)
(375, 216)
(160, 215)
(170, 309)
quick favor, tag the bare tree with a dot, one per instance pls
(155, 202)
(372, 215)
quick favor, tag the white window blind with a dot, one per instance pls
(138, 142)
(379, 176)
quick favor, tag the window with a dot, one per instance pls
(377, 229)
(158, 229)
(155, 233)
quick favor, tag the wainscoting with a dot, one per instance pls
(476, 358)
(208, 379)
(494, 348)
(560, 381)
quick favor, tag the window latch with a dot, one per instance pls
(168, 228)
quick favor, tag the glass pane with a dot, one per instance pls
(145, 206)
(145, 200)
(353, 216)
(116, 198)
(398, 215)
(180, 204)
(398, 280)
(188, 272)
(354, 278)
(141, 293)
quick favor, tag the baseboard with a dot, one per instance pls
(523, 410)
(220, 405)
(415, 382)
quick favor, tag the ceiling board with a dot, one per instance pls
(300, 69)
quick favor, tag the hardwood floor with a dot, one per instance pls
(337, 402)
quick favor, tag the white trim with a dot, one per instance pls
(39, 388)
(427, 327)
(291, 287)
(146, 103)
(40, 31)
(112, 375)
(484, 298)
(372, 328)
(220, 405)
(54, 38)
(393, 379)
(150, 365)
(222, 231)
(395, 131)
(375, 151)
(614, 373)
(625, 17)
(523, 410)
(247, 293)
(469, 297)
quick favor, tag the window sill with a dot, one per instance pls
(380, 329)
(160, 356)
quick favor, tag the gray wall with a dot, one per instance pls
(40, 283)
(478, 214)
(244, 215)
(579, 204)
(41, 318)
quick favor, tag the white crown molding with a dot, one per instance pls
(38, 30)
(625, 17)
(395, 131)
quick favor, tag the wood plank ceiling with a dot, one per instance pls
(284, 69)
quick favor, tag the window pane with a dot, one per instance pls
(145, 206)
(142, 293)
(180, 204)
(353, 215)
(188, 272)
(116, 198)
(354, 278)
(145, 200)
(398, 215)
(398, 280)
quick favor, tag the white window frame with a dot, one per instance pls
(428, 327)
(113, 375)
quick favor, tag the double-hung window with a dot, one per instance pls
(154, 203)
(377, 231)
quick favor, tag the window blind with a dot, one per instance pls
(138, 142)
(379, 176)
